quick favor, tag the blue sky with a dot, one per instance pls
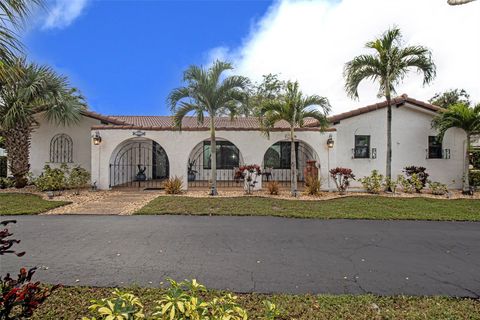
(126, 56)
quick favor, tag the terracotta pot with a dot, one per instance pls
(311, 169)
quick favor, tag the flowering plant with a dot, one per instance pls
(342, 177)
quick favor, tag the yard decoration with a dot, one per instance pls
(191, 171)
(141, 176)
(20, 294)
(249, 174)
(342, 177)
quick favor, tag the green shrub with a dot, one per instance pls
(182, 301)
(438, 188)
(475, 159)
(421, 177)
(173, 185)
(78, 178)
(273, 187)
(391, 184)
(6, 183)
(406, 185)
(372, 183)
(312, 185)
(52, 179)
(3, 167)
(474, 178)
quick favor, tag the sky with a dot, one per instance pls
(126, 56)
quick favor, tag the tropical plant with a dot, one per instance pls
(463, 117)
(391, 184)
(207, 92)
(20, 297)
(437, 188)
(123, 306)
(409, 185)
(173, 185)
(39, 91)
(388, 65)
(52, 179)
(12, 17)
(342, 178)
(273, 187)
(420, 174)
(271, 311)
(373, 183)
(312, 185)
(78, 178)
(294, 107)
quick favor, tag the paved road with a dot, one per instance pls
(261, 254)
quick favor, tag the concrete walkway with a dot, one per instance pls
(105, 202)
(261, 254)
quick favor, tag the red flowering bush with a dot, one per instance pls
(250, 168)
(342, 177)
(19, 297)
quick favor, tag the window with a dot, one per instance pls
(434, 148)
(362, 147)
(61, 149)
(278, 155)
(227, 155)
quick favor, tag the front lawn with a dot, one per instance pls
(23, 203)
(73, 302)
(354, 207)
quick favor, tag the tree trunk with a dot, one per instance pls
(213, 156)
(293, 163)
(466, 182)
(17, 145)
(389, 139)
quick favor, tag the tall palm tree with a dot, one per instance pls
(388, 65)
(293, 106)
(464, 117)
(206, 91)
(37, 90)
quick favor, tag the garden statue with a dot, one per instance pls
(141, 176)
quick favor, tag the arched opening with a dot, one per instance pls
(61, 149)
(139, 163)
(229, 159)
(276, 162)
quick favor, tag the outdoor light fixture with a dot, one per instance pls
(330, 142)
(96, 138)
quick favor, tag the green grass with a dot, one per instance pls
(73, 302)
(23, 203)
(354, 207)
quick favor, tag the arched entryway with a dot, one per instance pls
(229, 159)
(139, 163)
(276, 162)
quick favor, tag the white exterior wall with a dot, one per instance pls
(179, 145)
(43, 134)
(411, 127)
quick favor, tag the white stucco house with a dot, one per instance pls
(142, 151)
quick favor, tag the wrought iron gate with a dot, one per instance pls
(139, 164)
(278, 169)
(229, 159)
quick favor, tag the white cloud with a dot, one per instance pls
(310, 41)
(63, 12)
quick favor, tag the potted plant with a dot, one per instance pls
(141, 176)
(191, 171)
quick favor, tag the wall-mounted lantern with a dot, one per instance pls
(97, 139)
(330, 142)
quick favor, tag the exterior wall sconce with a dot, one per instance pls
(330, 142)
(97, 139)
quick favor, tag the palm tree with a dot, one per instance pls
(464, 117)
(388, 65)
(293, 107)
(458, 2)
(37, 90)
(207, 92)
(12, 17)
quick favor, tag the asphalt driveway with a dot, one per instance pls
(261, 254)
